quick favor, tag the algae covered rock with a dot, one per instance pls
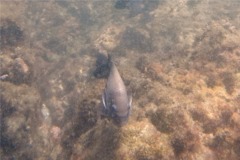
(139, 140)
(18, 119)
(11, 33)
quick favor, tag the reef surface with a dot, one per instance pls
(180, 59)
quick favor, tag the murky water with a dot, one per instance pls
(180, 60)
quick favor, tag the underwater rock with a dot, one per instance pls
(6, 63)
(88, 113)
(56, 46)
(101, 142)
(11, 33)
(211, 81)
(14, 123)
(84, 120)
(225, 144)
(186, 143)
(153, 70)
(121, 4)
(209, 125)
(20, 66)
(55, 133)
(45, 113)
(143, 63)
(21, 71)
(139, 89)
(108, 40)
(19, 110)
(136, 7)
(21, 97)
(54, 111)
(235, 120)
(156, 71)
(141, 140)
(167, 121)
(133, 39)
(138, 140)
(229, 82)
(15, 70)
(156, 131)
(236, 146)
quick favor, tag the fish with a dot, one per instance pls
(116, 102)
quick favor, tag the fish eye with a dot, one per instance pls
(114, 107)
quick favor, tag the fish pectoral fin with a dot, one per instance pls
(104, 99)
(130, 101)
(129, 94)
(114, 107)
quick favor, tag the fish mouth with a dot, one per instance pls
(120, 121)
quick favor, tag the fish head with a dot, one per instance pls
(123, 111)
(117, 105)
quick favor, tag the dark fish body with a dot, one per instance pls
(116, 102)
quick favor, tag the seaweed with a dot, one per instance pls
(167, 121)
(208, 125)
(121, 4)
(228, 81)
(236, 146)
(10, 33)
(211, 81)
(185, 143)
(56, 46)
(102, 69)
(178, 145)
(134, 40)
